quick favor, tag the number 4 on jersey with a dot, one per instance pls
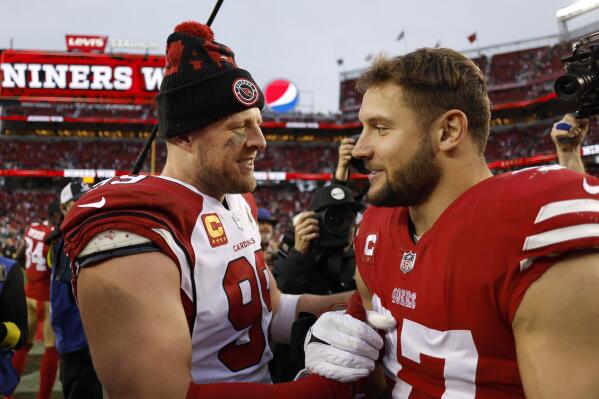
(34, 255)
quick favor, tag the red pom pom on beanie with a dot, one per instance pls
(196, 29)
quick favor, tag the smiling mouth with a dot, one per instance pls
(247, 163)
(373, 169)
(374, 173)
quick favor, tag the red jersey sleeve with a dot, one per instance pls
(312, 386)
(547, 213)
(159, 210)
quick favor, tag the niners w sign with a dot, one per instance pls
(30, 75)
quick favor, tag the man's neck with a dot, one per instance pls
(450, 187)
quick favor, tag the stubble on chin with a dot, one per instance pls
(384, 196)
(409, 186)
(241, 184)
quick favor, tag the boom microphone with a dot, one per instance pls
(214, 12)
(141, 158)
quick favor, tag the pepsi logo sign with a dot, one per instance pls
(281, 95)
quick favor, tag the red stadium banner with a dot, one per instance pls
(86, 43)
(81, 77)
(524, 103)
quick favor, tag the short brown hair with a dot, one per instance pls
(435, 81)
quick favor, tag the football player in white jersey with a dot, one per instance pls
(170, 278)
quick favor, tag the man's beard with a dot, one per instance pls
(236, 183)
(225, 181)
(412, 184)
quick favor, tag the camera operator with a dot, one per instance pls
(568, 135)
(319, 259)
(322, 259)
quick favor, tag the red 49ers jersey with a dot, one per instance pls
(224, 281)
(454, 293)
(36, 267)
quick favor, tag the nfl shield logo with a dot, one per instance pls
(407, 261)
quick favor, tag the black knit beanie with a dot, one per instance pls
(201, 83)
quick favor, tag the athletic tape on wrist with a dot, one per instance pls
(282, 320)
(563, 126)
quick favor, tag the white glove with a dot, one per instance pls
(343, 348)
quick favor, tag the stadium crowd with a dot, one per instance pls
(505, 142)
(286, 199)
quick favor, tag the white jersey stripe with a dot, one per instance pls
(560, 235)
(183, 264)
(564, 207)
(526, 263)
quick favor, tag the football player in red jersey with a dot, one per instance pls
(34, 250)
(492, 280)
(174, 294)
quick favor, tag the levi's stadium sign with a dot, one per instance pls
(105, 78)
(86, 43)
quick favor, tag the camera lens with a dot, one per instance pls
(570, 87)
(338, 219)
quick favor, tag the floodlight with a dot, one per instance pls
(576, 9)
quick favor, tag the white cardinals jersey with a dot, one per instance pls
(224, 280)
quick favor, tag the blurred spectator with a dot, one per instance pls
(77, 373)
(13, 322)
(341, 175)
(37, 291)
(267, 224)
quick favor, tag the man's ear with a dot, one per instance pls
(451, 128)
(183, 141)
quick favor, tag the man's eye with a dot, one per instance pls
(381, 129)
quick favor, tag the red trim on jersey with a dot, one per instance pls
(249, 197)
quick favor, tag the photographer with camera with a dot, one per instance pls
(322, 259)
(319, 259)
(318, 255)
(580, 87)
